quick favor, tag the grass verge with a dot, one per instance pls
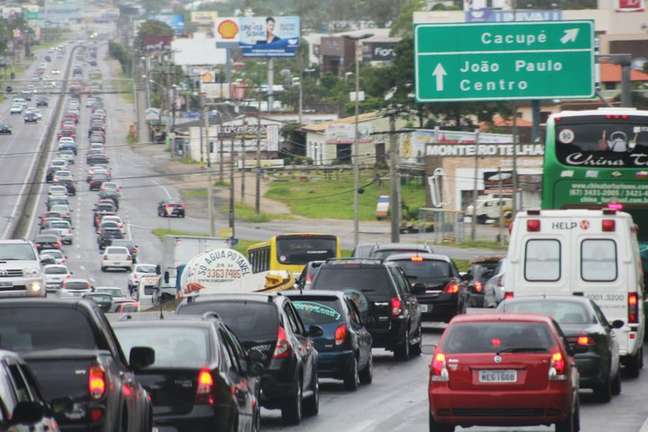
(462, 264)
(161, 232)
(319, 197)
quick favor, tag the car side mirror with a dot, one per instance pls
(158, 269)
(315, 331)
(27, 413)
(256, 362)
(141, 357)
(617, 324)
(62, 405)
(419, 288)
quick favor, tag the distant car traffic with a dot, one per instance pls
(116, 257)
(171, 209)
(5, 129)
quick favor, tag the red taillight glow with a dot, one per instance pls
(508, 295)
(282, 349)
(633, 308)
(95, 415)
(608, 225)
(617, 116)
(496, 342)
(96, 382)
(478, 286)
(396, 306)
(205, 388)
(584, 341)
(416, 258)
(558, 363)
(340, 334)
(533, 225)
(452, 288)
(438, 370)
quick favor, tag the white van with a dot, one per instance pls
(593, 253)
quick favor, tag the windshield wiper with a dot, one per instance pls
(521, 349)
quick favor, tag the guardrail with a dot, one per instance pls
(18, 225)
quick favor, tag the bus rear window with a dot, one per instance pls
(542, 260)
(601, 143)
(302, 250)
(599, 260)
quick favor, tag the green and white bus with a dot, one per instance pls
(598, 158)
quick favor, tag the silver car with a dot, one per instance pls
(55, 274)
(494, 288)
(75, 288)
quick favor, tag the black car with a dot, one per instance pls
(21, 404)
(384, 297)
(270, 324)
(107, 235)
(97, 160)
(30, 117)
(201, 379)
(5, 129)
(97, 180)
(345, 347)
(481, 270)
(436, 281)
(42, 102)
(307, 275)
(589, 335)
(171, 209)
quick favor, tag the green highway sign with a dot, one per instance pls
(504, 61)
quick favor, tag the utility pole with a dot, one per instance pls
(500, 226)
(174, 89)
(301, 87)
(356, 152)
(473, 221)
(231, 197)
(202, 133)
(394, 174)
(515, 173)
(243, 168)
(270, 84)
(221, 161)
(257, 192)
(147, 71)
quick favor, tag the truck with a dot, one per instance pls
(177, 250)
(74, 354)
(20, 270)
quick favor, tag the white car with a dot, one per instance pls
(55, 72)
(16, 109)
(116, 257)
(75, 288)
(139, 271)
(115, 292)
(58, 256)
(65, 229)
(55, 274)
(57, 191)
(116, 219)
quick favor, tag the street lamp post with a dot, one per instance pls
(356, 139)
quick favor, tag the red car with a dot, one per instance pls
(503, 370)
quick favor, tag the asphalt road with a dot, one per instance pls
(18, 151)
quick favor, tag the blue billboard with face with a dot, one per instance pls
(176, 22)
(273, 36)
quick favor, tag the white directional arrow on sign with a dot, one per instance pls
(569, 36)
(439, 73)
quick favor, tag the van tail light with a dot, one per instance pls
(608, 225)
(633, 308)
(282, 349)
(533, 225)
(478, 286)
(96, 382)
(396, 307)
(340, 334)
(452, 288)
(508, 295)
(438, 369)
(205, 388)
(558, 367)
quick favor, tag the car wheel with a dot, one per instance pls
(634, 364)
(440, 427)
(291, 410)
(616, 384)
(416, 348)
(352, 376)
(402, 351)
(603, 391)
(311, 405)
(366, 375)
(571, 423)
(160, 213)
(103, 269)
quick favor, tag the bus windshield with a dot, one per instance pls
(302, 250)
(603, 142)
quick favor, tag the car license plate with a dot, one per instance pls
(497, 376)
(6, 284)
(426, 308)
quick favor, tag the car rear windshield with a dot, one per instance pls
(384, 253)
(492, 337)
(80, 285)
(564, 312)
(146, 268)
(17, 252)
(318, 311)
(252, 322)
(55, 270)
(301, 250)
(25, 329)
(484, 271)
(426, 270)
(373, 282)
(116, 251)
(175, 347)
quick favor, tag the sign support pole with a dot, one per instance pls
(231, 197)
(515, 173)
(270, 84)
(257, 194)
(473, 219)
(395, 202)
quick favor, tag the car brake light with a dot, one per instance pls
(633, 308)
(557, 368)
(608, 225)
(396, 307)
(96, 382)
(282, 349)
(452, 287)
(508, 295)
(478, 286)
(584, 341)
(533, 225)
(205, 388)
(438, 370)
(340, 334)
(417, 258)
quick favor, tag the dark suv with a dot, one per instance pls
(270, 324)
(386, 301)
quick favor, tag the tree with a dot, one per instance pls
(152, 28)
(402, 25)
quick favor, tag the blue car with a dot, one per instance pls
(345, 347)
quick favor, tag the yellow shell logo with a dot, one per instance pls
(228, 29)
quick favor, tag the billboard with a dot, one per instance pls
(197, 51)
(630, 6)
(227, 30)
(379, 51)
(269, 36)
(492, 15)
(204, 18)
(176, 22)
